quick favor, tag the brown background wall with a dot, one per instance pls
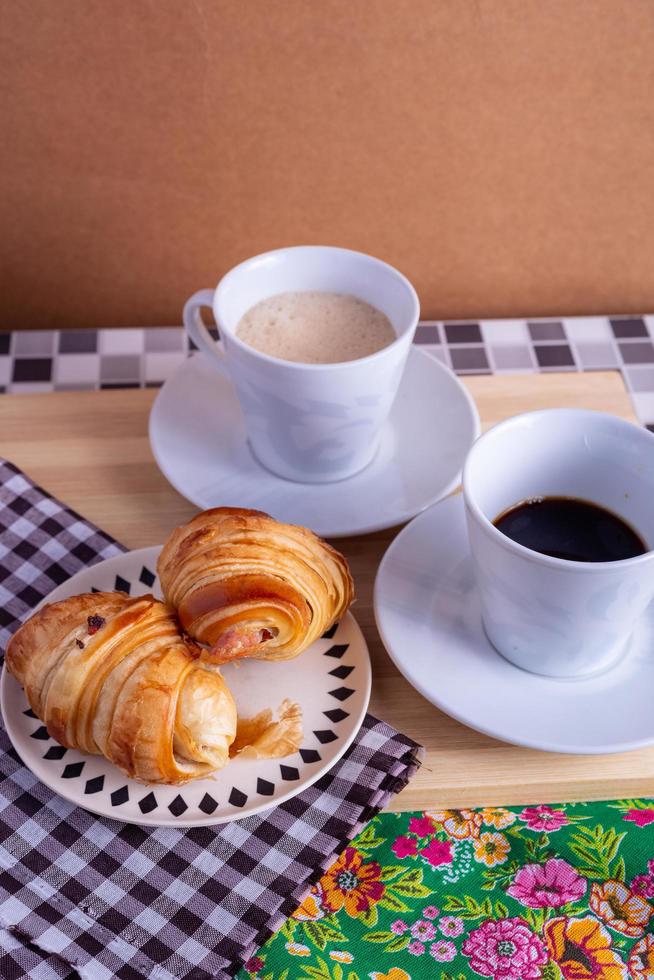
(500, 152)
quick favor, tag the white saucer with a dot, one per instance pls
(429, 619)
(197, 435)
(331, 682)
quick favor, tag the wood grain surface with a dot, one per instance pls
(91, 450)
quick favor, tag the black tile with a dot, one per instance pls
(427, 335)
(32, 369)
(637, 353)
(556, 356)
(4, 342)
(463, 333)
(550, 330)
(78, 341)
(111, 385)
(629, 327)
(469, 359)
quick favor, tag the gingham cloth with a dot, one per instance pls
(115, 900)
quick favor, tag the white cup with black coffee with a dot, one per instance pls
(315, 340)
(560, 515)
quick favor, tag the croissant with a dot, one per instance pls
(245, 585)
(112, 676)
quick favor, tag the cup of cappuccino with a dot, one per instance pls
(314, 340)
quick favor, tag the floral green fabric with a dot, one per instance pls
(511, 893)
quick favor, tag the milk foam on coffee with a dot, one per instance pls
(315, 327)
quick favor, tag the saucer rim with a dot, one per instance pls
(370, 528)
(414, 680)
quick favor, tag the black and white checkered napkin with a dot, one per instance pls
(115, 900)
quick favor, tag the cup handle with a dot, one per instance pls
(197, 330)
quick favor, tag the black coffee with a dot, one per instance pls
(564, 527)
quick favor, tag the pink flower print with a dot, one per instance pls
(506, 949)
(404, 847)
(548, 885)
(422, 929)
(443, 951)
(650, 866)
(431, 912)
(421, 826)
(640, 817)
(450, 925)
(438, 852)
(644, 885)
(544, 818)
(398, 927)
(254, 964)
(416, 948)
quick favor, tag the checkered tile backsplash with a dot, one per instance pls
(48, 360)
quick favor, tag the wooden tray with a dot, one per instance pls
(91, 450)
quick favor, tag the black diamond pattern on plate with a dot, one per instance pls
(55, 752)
(337, 651)
(178, 806)
(122, 585)
(147, 577)
(325, 736)
(310, 755)
(148, 803)
(208, 804)
(73, 770)
(93, 589)
(41, 734)
(237, 798)
(264, 787)
(342, 671)
(289, 773)
(342, 693)
(29, 713)
(119, 796)
(327, 635)
(95, 785)
(336, 714)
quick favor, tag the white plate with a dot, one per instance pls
(429, 619)
(330, 680)
(197, 435)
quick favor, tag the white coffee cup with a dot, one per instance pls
(309, 422)
(550, 615)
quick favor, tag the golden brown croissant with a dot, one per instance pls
(111, 675)
(245, 585)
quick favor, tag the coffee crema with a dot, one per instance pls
(315, 327)
(566, 527)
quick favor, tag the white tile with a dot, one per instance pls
(644, 405)
(5, 370)
(504, 331)
(84, 368)
(122, 341)
(158, 367)
(584, 329)
(649, 320)
(34, 343)
(30, 387)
